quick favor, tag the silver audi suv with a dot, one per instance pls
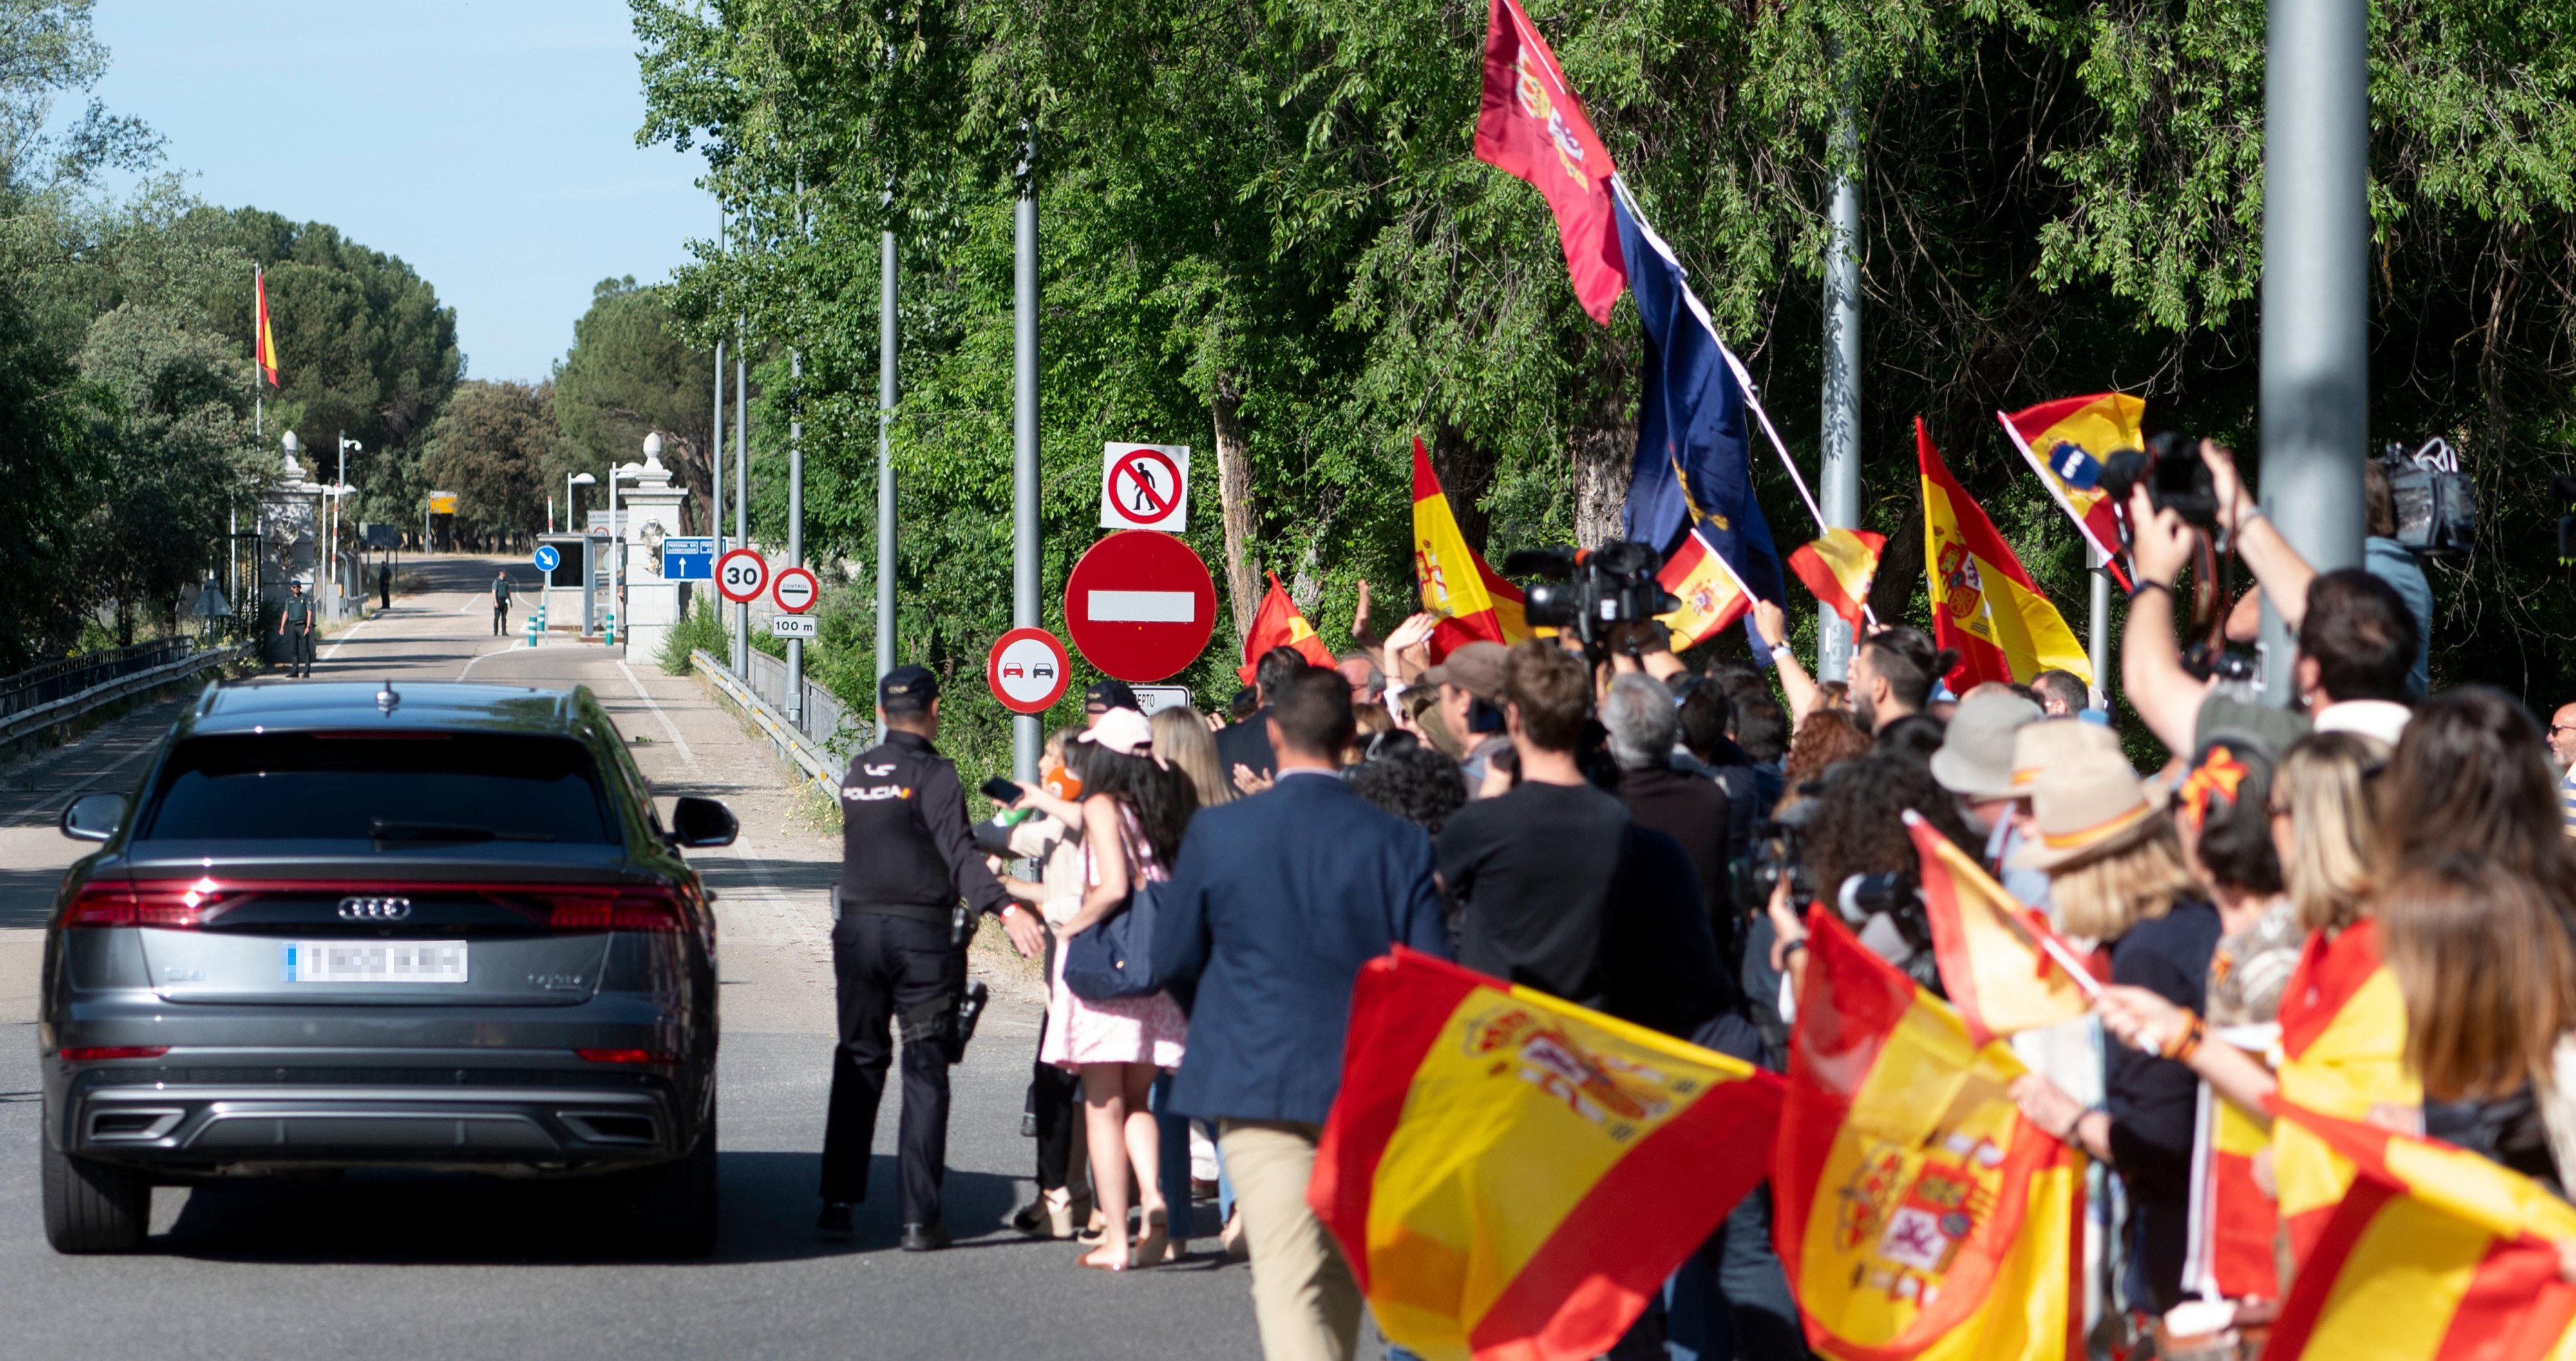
(357, 925)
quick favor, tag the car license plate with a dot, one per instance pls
(415, 961)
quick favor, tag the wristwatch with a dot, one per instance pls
(1780, 652)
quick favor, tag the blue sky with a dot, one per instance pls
(489, 143)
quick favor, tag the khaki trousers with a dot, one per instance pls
(1303, 1297)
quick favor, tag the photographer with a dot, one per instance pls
(1860, 862)
(2357, 638)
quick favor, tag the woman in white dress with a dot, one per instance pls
(1134, 808)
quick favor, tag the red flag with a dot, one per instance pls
(264, 345)
(1278, 624)
(1983, 604)
(1534, 127)
(1838, 567)
(1472, 599)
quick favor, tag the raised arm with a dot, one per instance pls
(1772, 623)
(2277, 567)
(2166, 697)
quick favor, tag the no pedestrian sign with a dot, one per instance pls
(1145, 486)
(1028, 671)
(1140, 605)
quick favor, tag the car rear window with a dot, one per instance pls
(413, 788)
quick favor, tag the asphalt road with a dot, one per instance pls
(417, 1266)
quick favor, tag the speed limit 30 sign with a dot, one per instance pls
(742, 575)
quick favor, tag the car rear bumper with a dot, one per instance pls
(215, 1115)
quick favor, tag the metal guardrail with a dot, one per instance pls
(54, 681)
(819, 764)
(824, 720)
(29, 721)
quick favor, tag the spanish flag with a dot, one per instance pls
(1983, 603)
(2004, 969)
(2067, 441)
(1510, 1175)
(1472, 600)
(1712, 595)
(2435, 1254)
(1279, 624)
(265, 344)
(1919, 1215)
(2343, 1051)
(1839, 567)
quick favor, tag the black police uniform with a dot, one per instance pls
(907, 857)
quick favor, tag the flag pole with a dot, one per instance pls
(258, 395)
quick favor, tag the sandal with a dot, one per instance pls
(1155, 1246)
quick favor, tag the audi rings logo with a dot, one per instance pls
(374, 909)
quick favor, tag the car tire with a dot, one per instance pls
(669, 1210)
(93, 1206)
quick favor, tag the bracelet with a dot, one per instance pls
(2069, 1138)
(1007, 910)
(1792, 947)
(2146, 584)
(1780, 652)
(2187, 1042)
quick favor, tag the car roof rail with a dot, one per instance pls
(206, 698)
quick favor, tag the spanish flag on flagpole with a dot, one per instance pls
(265, 344)
(1839, 567)
(2066, 442)
(1472, 600)
(1712, 595)
(1983, 603)
(2343, 1051)
(2004, 969)
(2435, 1254)
(1919, 1215)
(1511, 1175)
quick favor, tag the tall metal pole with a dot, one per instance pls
(1841, 489)
(885, 452)
(2097, 642)
(1025, 737)
(741, 486)
(2316, 233)
(796, 492)
(715, 441)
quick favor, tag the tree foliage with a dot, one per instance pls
(491, 445)
(629, 374)
(1269, 213)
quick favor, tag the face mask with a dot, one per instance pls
(1061, 783)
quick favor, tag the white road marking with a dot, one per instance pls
(349, 633)
(686, 755)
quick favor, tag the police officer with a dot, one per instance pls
(295, 624)
(899, 953)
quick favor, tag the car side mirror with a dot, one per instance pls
(700, 822)
(94, 817)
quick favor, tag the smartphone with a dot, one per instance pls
(1485, 717)
(999, 788)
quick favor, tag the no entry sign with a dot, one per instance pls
(795, 590)
(742, 575)
(1145, 486)
(1028, 671)
(1140, 605)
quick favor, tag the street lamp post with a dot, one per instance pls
(589, 574)
(623, 472)
(339, 493)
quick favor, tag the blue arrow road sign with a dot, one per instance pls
(547, 558)
(691, 558)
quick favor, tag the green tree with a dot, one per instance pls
(630, 374)
(490, 446)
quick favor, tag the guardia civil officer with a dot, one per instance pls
(899, 953)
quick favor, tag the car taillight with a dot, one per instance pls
(169, 904)
(93, 1053)
(624, 910)
(626, 1056)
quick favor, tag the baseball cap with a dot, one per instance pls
(1976, 755)
(1105, 695)
(907, 690)
(1476, 668)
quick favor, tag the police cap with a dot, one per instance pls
(907, 690)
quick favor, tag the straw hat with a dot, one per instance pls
(2086, 804)
(1976, 752)
(2051, 741)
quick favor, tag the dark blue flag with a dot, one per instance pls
(1694, 441)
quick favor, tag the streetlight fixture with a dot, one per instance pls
(331, 552)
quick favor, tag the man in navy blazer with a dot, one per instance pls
(1274, 904)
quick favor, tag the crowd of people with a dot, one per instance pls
(1655, 841)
